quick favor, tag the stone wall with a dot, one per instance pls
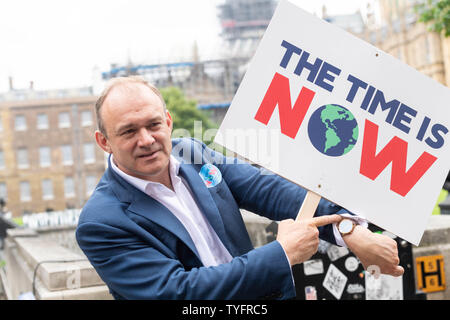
(38, 265)
(63, 236)
(77, 279)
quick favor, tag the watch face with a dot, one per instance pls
(345, 226)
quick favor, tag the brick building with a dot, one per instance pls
(409, 40)
(400, 34)
(48, 156)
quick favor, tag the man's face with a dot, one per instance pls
(138, 131)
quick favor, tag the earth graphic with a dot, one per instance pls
(333, 130)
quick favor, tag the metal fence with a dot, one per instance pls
(51, 219)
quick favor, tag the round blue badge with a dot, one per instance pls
(211, 175)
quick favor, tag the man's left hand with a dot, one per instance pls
(375, 249)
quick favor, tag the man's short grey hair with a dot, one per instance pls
(121, 81)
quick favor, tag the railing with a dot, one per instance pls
(51, 219)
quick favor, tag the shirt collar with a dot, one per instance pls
(141, 184)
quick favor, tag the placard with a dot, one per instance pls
(343, 119)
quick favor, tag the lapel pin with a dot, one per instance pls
(210, 175)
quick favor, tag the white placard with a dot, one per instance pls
(343, 119)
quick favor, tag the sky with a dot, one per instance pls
(65, 43)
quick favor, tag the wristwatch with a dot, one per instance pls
(346, 226)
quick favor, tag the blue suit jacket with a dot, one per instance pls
(142, 251)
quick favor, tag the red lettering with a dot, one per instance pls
(395, 151)
(279, 94)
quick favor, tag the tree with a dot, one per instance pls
(437, 13)
(184, 113)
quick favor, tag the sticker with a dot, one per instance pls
(323, 246)
(386, 287)
(335, 281)
(310, 293)
(430, 273)
(336, 252)
(210, 175)
(351, 264)
(374, 270)
(311, 267)
(355, 288)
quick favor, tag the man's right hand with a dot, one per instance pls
(300, 239)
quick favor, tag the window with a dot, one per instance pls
(45, 157)
(427, 49)
(91, 182)
(47, 189)
(86, 118)
(22, 158)
(3, 191)
(66, 151)
(2, 160)
(20, 123)
(25, 191)
(42, 121)
(89, 153)
(69, 187)
(64, 120)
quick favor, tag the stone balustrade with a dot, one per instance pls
(48, 262)
(48, 270)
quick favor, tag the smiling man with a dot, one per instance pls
(139, 128)
(164, 220)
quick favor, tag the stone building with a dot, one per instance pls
(399, 33)
(48, 156)
(409, 40)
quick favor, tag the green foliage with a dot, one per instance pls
(2, 263)
(18, 221)
(442, 196)
(436, 13)
(184, 113)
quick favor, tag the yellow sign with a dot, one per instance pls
(430, 273)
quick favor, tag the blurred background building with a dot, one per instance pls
(404, 37)
(48, 157)
(243, 24)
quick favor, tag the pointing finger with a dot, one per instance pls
(324, 220)
(398, 271)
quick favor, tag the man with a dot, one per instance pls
(164, 220)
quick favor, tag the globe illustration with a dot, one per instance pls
(333, 130)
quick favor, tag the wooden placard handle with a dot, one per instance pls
(309, 206)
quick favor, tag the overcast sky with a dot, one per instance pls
(58, 43)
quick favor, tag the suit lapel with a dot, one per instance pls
(205, 202)
(153, 210)
(149, 208)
